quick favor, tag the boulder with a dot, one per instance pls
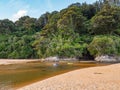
(107, 58)
(55, 58)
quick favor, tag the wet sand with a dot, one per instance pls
(94, 78)
(16, 61)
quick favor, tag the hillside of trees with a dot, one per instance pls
(82, 30)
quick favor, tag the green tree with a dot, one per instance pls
(7, 26)
(60, 44)
(106, 21)
(72, 18)
(43, 20)
(51, 27)
(27, 25)
(103, 45)
(88, 10)
(17, 47)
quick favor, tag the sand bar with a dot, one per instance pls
(95, 78)
(16, 61)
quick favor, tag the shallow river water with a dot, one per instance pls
(18, 75)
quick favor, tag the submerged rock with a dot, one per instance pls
(107, 58)
(55, 64)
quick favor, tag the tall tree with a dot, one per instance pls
(51, 27)
(27, 24)
(7, 26)
(72, 18)
(106, 21)
(43, 20)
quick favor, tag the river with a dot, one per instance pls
(18, 75)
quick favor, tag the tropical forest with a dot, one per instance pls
(81, 30)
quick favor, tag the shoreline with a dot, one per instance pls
(20, 61)
(23, 61)
(17, 61)
(93, 78)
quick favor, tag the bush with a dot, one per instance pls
(104, 45)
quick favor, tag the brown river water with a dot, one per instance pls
(19, 75)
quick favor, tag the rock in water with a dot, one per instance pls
(52, 58)
(55, 64)
(107, 58)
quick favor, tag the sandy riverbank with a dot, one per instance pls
(16, 61)
(19, 61)
(95, 78)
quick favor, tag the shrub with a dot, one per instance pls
(102, 45)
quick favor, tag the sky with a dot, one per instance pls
(14, 9)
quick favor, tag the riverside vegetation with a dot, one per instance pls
(82, 31)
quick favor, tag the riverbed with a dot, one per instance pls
(92, 78)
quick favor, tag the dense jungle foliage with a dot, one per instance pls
(82, 30)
